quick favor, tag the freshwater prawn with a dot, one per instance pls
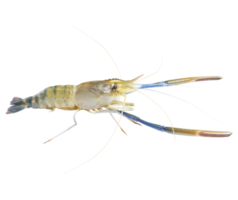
(105, 96)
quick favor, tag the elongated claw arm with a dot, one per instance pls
(178, 131)
(177, 81)
(74, 124)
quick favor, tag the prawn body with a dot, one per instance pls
(105, 97)
(92, 95)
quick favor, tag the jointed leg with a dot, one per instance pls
(121, 128)
(74, 124)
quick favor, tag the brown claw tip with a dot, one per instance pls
(209, 78)
(216, 134)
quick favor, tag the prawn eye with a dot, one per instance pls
(114, 87)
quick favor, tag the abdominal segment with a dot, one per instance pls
(60, 96)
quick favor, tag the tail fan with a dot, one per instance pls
(18, 105)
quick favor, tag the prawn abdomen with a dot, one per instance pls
(53, 97)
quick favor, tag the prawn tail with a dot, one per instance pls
(15, 105)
